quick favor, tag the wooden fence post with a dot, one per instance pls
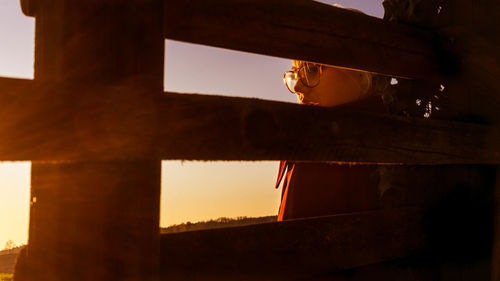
(94, 220)
(98, 219)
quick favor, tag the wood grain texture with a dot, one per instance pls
(446, 222)
(225, 128)
(49, 124)
(293, 248)
(95, 220)
(89, 220)
(99, 42)
(306, 30)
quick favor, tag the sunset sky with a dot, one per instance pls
(191, 191)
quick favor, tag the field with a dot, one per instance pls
(5, 277)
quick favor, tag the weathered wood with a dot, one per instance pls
(91, 220)
(122, 124)
(249, 129)
(92, 46)
(306, 30)
(279, 251)
(446, 217)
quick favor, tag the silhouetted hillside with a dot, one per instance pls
(218, 223)
(8, 259)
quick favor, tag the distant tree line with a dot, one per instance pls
(11, 250)
(217, 223)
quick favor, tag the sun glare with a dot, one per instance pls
(14, 202)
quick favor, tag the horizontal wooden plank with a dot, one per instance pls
(306, 30)
(56, 121)
(444, 227)
(223, 128)
(418, 267)
(295, 248)
(44, 122)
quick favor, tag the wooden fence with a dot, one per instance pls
(96, 124)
